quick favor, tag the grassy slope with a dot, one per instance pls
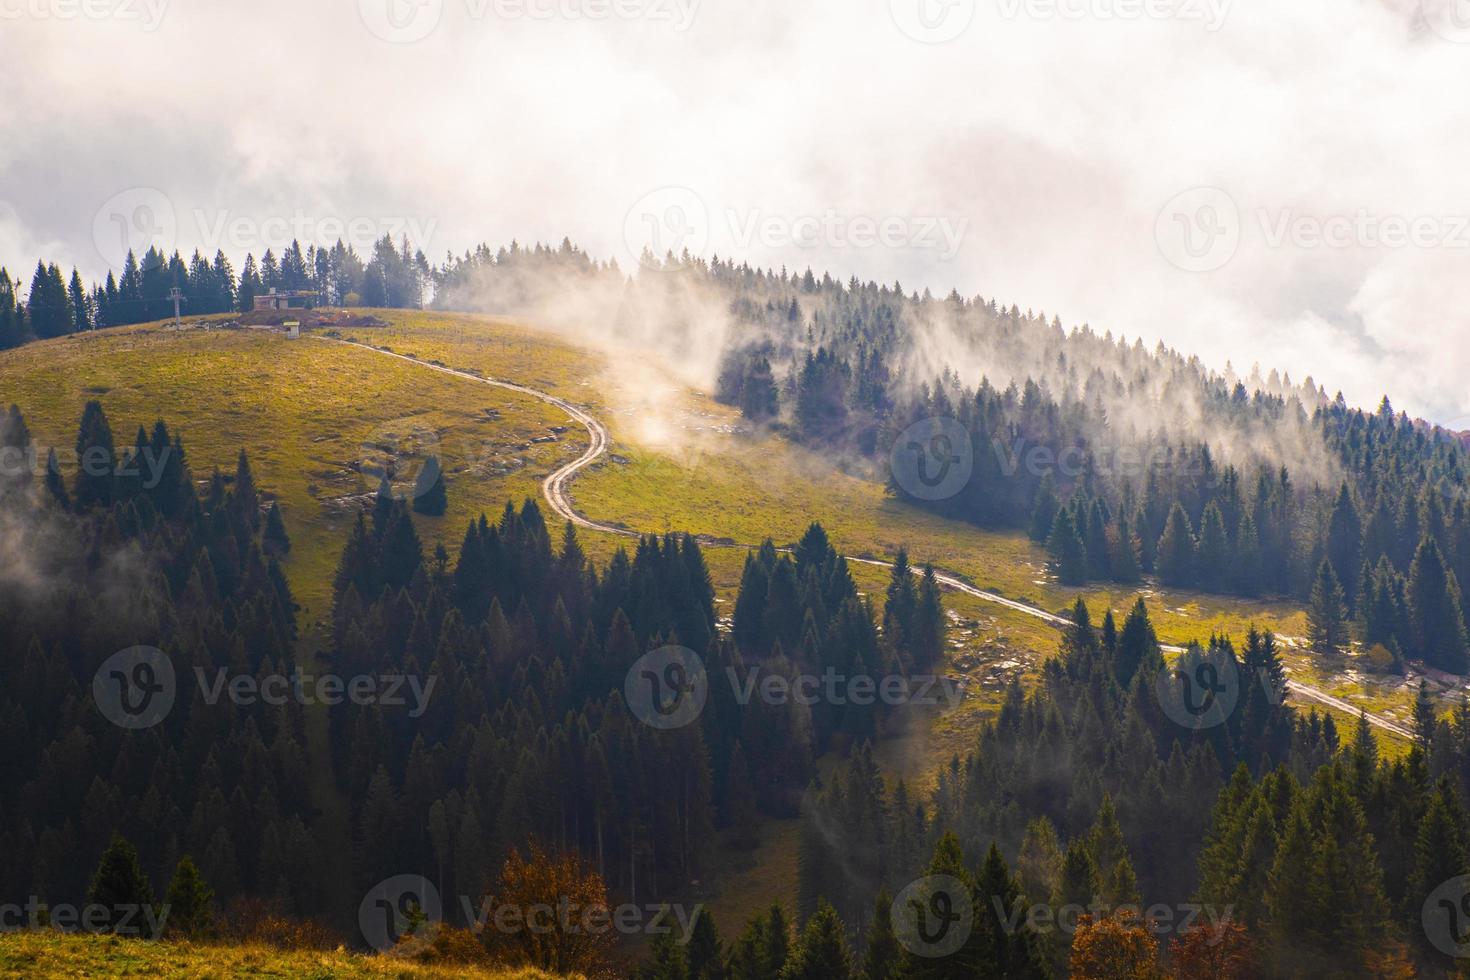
(304, 411)
(53, 954)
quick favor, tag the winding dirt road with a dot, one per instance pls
(555, 488)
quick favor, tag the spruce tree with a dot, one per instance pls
(429, 495)
(1212, 561)
(1344, 544)
(119, 885)
(1124, 553)
(883, 957)
(1327, 630)
(1176, 552)
(1067, 553)
(96, 459)
(821, 951)
(704, 952)
(273, 540)
(926, 646)
(1441, 850)
(1043, 509)
(1436, 620)
(190, 902)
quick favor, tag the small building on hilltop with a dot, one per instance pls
(285, 299)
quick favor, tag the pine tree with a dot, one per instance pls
(55, 484)
(667, 960)
(759, 400)
(1176, 552)
(96, 459)
(119, 885)
(704, 952)
(1344, 544)
(1436, 619)
(1212, 561)
(1043, 509)
(1068, 555)
(1424, 717)
(1246, 576)
(1005, 952)
(926, 646)
(80, 305)
(1095, 541)
(1441, 851)
(1125, 567)
(190, 901)
(429, 495)
(883, 957)
(821, 951)
(1327, 630)
(1292, 897)
(273, 540)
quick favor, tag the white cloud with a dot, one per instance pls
(1055, 139)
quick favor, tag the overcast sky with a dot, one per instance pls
(1258, 181)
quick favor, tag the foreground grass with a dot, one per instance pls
(57, 954)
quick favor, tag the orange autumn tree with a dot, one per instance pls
(1115, 947)
(1219, 951)
(550, 911)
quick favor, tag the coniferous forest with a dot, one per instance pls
(491, 736)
